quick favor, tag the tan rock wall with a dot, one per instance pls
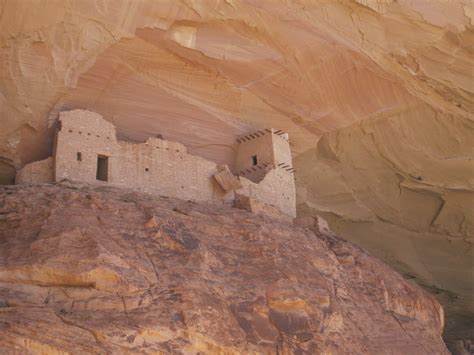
(36, 172)
(306, 66)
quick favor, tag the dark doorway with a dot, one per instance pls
(102, 168)
(254, 160)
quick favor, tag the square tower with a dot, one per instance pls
(261, 152)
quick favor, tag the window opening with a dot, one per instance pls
(79, 156)
(254, 160)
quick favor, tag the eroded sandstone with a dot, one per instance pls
(101, 269)
(204, 72)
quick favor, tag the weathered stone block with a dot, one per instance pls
(226, 180)
(250, 204)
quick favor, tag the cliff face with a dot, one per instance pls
(93, 270)
(377, 97)
(401, 187)
(219, 67)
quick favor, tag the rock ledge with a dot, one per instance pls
(98, 270)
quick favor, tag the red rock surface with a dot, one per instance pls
(105, 270)
(377, 96)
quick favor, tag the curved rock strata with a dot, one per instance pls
(410, 204)
(204, 72)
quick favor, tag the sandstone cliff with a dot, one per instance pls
(99, 269)
(377, 96)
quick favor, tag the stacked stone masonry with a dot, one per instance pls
(156, 166)
(86, 149)
(38, 171)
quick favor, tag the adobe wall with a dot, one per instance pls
(255, 206)
(271, 147)
(282, 151)
(36, 172)
(87, 133)
(258, 144)
(157, 166)
(277, 189)
(271, 181)
(163, 167)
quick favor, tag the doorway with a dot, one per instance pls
(102, 168)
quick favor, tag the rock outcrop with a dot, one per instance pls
(100, 269)
(377, 96)
(402, 187)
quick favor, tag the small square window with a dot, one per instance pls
(79, 156)
(254, 160)
(146, 169)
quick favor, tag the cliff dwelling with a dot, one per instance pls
(378, 99)
(86, 149)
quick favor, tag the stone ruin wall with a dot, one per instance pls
(270, 181)
(38, 172)
(157, 166)
(248, 147)
(276, 189)
(86, 133)
(282, 152)
(259, 144)
(160, 166)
